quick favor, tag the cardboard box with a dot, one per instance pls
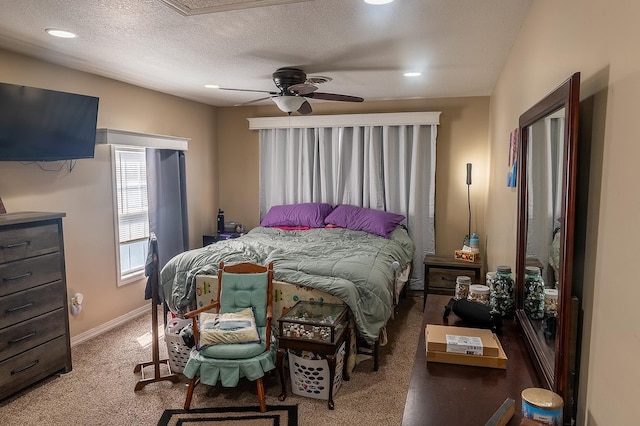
(436, 337)
(467, 256)
(498, 361)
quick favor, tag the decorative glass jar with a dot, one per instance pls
(502, 292)
(462, 287)
(533, 293)
(479, 293)
(490, 277)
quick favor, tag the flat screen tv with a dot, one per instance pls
(46, 125)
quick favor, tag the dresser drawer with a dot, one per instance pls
(27, 304)
(22, 242)
(39, 361)
(28, 334)
(27, 273)
(443, 281)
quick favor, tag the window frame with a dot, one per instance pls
(128, 278)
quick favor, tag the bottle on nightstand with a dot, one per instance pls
(220, 221)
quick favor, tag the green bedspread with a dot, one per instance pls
(352, 265)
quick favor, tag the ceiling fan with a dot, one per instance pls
(294, 90)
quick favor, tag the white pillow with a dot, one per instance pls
(228, 328)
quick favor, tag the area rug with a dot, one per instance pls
(276, 415)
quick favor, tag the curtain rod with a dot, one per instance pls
(346, 120)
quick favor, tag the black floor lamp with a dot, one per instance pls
(468, 239)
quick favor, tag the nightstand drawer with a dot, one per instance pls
(28, 334)
(27, 304)
(443, 281)
(27, 273)
(24, 242)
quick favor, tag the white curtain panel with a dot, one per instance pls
(388, 168)
(544, 191)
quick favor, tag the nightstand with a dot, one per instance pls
(440, 274)
(210, 239)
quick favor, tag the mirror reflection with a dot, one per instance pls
(544, 214)
(544, 195)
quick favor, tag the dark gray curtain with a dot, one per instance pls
(166, 190)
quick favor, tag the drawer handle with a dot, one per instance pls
(33, 364)
(447, 279)
(11, 310)
(20, 339)
(17, 277)
(10, 246)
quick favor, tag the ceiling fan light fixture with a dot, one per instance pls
(412, 74)
(377, 2)
(60, 33)
(288, 104)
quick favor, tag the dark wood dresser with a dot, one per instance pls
(456, 395)
(34, 324)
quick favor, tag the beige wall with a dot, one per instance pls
(84, 194)
(597, 38)
(462, 138)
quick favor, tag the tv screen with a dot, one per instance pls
(46, 125)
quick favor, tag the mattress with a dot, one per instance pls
(357, 267)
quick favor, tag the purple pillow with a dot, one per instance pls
(304, 214)
(357, 218)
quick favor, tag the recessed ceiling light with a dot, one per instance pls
(412, 74)
(211, 86)
(60, 33)
(378, 1)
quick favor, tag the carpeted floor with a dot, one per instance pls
(100, 389)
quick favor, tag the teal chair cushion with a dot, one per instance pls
(236, 350)
(229, 370)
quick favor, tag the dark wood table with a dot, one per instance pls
(460, 395)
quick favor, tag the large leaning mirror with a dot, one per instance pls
(545, 308)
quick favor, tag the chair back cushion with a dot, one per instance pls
(240, 291)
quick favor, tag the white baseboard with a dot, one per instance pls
(90, 334)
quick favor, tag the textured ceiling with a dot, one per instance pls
(194, 7)
(459, 45)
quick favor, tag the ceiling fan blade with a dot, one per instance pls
(271, 92)
(253, 101)
(302, 89)
(333, 97)
(305, 108)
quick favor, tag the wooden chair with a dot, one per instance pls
(239, 287)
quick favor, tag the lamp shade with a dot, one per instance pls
(288, 104)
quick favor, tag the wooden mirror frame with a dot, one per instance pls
(555, 373)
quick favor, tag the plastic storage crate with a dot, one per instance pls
(178, 351)
(310, 377)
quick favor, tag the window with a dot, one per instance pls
(130, 176)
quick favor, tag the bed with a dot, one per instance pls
(356, 255)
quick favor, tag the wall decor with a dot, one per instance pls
(512, 163)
